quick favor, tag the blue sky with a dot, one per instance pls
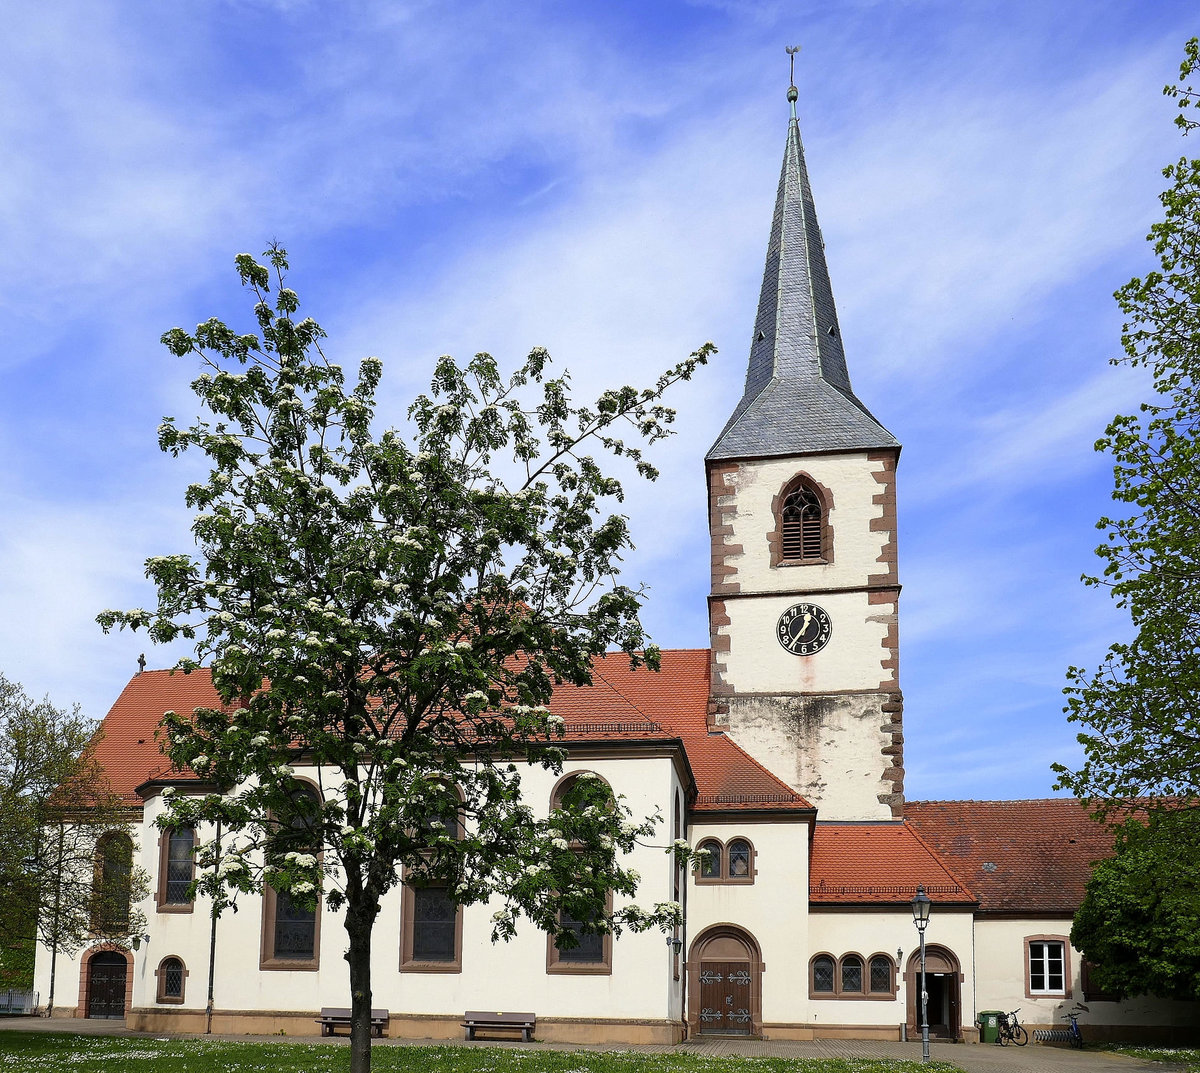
(598, 179)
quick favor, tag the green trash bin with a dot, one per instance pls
(989, 1025)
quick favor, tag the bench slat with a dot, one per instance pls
(474, 1020)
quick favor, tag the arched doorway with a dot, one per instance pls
(724, 970)
(943, 980)
(106, 985)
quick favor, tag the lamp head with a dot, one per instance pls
(920, 908)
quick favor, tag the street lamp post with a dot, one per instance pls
(920, 908)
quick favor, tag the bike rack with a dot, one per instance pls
(1052, 1035)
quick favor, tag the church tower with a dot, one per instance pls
(802, 513)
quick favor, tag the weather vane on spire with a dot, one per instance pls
(793, 93)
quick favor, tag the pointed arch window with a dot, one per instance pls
(802, 525)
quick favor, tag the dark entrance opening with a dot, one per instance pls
(943, 983)
(106, 986)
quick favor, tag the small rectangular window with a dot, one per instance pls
(1046, 968)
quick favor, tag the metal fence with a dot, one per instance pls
(18, 1002)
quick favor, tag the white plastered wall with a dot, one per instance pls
(851, 482)
(848, 931)
(850, 662)
(1000, 957)
(773, 908)
(496, 976)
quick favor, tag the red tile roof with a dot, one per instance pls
(620, 705)
(128, 745)
(1026, 856)
(878, 864)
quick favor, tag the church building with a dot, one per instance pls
(780, 749)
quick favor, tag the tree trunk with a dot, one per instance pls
(360, 921)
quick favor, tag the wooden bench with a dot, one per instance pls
(486, 1020)
(333, 1017)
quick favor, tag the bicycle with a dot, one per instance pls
(1010, 1030)
(1075, 1036)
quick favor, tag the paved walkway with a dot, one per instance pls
(973, 1058)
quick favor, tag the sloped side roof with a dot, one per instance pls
(128, 746)
(878, 864)
(620, 705)
(674, 704)
(1019, 856)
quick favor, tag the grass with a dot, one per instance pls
(1186, 1057)
(47, 1052)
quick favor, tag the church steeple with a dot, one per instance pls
(798, 397)
(803, 612)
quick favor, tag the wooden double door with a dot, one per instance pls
(725, 998)
(107, 974)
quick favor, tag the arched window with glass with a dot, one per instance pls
(177, 869)
(591, 952)
(726, 862)
(822, 975)
(852, 975)
(883, 975)
(170, 976)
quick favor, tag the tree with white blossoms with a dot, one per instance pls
(391, 612)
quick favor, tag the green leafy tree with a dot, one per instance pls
(1139, 924)
(59, 823)
(412, 603)
(1141, 707)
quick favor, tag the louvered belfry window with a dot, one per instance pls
(802, 526)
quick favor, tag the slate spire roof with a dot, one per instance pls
(798, 397)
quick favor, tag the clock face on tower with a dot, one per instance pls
(804, 629)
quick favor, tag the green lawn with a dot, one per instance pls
(46, 1052)
(1187, 1057)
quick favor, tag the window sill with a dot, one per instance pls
(290, 964)
(431, 966)
(578, 968)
